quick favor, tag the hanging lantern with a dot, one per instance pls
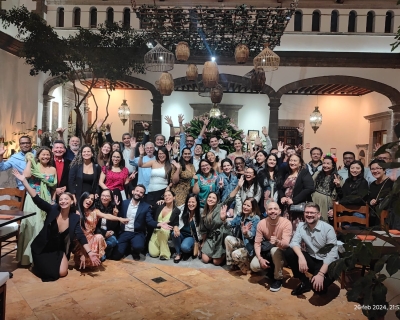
(210, 74)
(267, 60)
(241, 53)
(182, 51)
(124, 112)
(215, 112)
(159, 59)
(165, 84)
(258, 79)
(315, 119)
(216, 94)
(191, 72)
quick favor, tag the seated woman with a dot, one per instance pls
(325, 187)
(89, 220)
(187, 233)
(51, 248)
(378, 190)
(108, 203)
(168, 212)
(240, 246)
(213, 229)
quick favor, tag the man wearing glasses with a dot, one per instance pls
(315, 234)
(393, 174)
(17, 160)
(187, 141)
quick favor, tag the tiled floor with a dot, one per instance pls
(152, 289)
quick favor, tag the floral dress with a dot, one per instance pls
(96, 242)
(206, 186)
(181, 189)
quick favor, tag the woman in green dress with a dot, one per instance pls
(213, 229)
(204, 181)
(41, 177)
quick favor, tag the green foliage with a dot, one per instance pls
(222, 127)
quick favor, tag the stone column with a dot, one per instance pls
(46, 112)
(394, 121)
(274, 104)
(156, 117)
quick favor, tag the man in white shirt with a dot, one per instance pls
(198, 152)
(214, 144)
(133, 234)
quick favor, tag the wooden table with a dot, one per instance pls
(18, 216)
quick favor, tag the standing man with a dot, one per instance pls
(187, 141)
(144, 173)
(17, 160)
(62, 167)
(393, 174)
(133, 234)
(277, 232)
(214, 144)
(198, 153)
(315, 234)
(348, 158)
(74, 144)
(315, 165)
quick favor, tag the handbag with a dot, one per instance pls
(266, 247)
(298, 207)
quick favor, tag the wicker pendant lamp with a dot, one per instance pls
(191, 72)
(210, 74)
(267, 60)
(241, 53)
(258, 79)
(182, 51)
(159, 59)
(216, 94)
(165, 84)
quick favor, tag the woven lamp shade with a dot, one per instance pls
(182, 51)
(165, 84)
(192, 72)
(216, 94)
(210, 74)
(241, 53)
(267, 60)
(159, 59)
(258, 79)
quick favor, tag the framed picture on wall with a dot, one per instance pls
(253, 134)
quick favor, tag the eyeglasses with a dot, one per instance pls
(376, 169)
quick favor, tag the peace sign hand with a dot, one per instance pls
(116, 200)
(221, 183)
(222, 212)
(336, 181)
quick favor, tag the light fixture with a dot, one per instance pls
(124, 111)
(267, 59)
(159, 59)
(315, 119)
(213, 59)
(215, 112)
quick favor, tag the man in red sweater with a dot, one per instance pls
(275, 232)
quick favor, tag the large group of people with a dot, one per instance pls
(255, 209)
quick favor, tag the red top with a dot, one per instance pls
(115, 180)
(59, 168)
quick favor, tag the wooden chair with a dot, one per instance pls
(337, 220)
(11, 230)
(384, 216)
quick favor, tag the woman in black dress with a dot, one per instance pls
(52, 247)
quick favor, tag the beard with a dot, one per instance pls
(137, 197)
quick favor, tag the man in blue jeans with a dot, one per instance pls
(133, 235)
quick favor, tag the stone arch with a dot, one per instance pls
(391, 93)
(157, 100)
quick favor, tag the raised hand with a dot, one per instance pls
(132, 175)
(257, 141)
(99, 123)
(116, 200)
(160, 202)
(168, 120)
(60, 130)
(222, 212)
(2, 150)
(247, 139)
(145, 125)
(280, 146)
(241, 181)
(265, 131)
(246, 228)
(336, 181)
(377, 146)
(168, 146)
(175, 148)
(299, 148)
(176, 164)
(300, 129)
(181, 118)
(133, 142)
(108, 127)
(141, 150)
(206, 121)
(221, 183)
(18, 175)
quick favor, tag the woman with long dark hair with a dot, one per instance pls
(295, 187)
(103, 157)
(213, 229)
(115, 175)
(250, 189)
(214, 160)
(204, 181)
(84, 173)
(267, 178)
(261, 158)
(160, 173)
(181, 176)
(238, 145)
(240, 246)
(110, 204)
(227, 181)
(325, 188)
(51, 248)
(187, 233)
(169, 213)
(90, 217)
